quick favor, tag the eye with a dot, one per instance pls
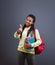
(29, 20)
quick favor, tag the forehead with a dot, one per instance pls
(30, 18)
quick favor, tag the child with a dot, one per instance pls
(27, 31)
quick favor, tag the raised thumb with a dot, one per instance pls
(20, 26)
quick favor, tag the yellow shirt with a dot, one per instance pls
(22, 41)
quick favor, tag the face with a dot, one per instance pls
(29, 21)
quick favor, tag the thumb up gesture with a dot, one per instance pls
(19, 31)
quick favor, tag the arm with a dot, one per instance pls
(38, 42)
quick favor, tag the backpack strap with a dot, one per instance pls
(35, 34)
(40, 36)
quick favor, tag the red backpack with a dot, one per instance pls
(40, 48)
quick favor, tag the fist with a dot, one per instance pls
(27, 45)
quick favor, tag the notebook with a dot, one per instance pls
(30, 40)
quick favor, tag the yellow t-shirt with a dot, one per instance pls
(22, 41)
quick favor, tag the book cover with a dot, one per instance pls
(30, 40)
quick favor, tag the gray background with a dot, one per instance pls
(14, 12)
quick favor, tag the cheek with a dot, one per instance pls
(28, 22)
(31, 23)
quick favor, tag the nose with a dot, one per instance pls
(27, 21)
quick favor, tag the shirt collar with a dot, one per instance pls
(27, 28)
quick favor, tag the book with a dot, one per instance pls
(30, 40)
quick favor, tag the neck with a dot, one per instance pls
(28, 26)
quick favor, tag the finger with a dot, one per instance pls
(20, 26)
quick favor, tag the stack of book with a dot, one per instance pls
(30, 40)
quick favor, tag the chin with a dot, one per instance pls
(27, 25)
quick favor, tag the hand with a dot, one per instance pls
(27, 45)
(19, 31)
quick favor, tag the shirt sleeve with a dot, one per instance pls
(38, 42)
(16, 35)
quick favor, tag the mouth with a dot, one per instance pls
(27, 24)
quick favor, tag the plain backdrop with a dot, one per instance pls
(13, 13)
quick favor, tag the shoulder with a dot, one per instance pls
(36, 30)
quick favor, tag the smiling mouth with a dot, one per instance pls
(27, 23)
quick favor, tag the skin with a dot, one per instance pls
(28, 22)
